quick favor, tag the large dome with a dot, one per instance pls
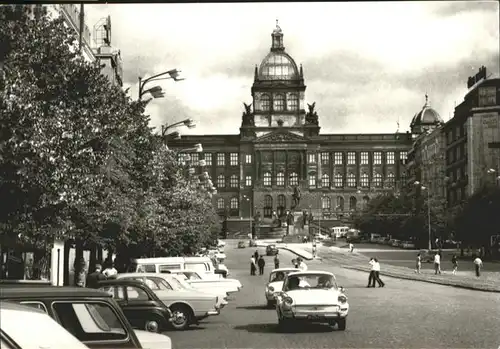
(278, 66)
(427, 116)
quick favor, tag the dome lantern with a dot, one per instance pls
(277, 39)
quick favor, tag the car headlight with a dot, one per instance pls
(288, 300)
(271, 289)
(342, 299)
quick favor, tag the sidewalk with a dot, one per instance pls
(489, 281)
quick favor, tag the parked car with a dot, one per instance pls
(312, 296)
(197, 280)
(141, 306)
(188, 308)
(44, 332)
(271, 250)
(92, 316)
(242, 244)
(408, 244)
(275, 283)
(164, 281)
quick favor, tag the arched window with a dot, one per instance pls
(353, 203)
(234, 204)
(280, 179)
(293, 102)
(281, 205)
(340, 203)
(377, 179)
(268, 206)
(390, 180)
(325, 203)
(294, 179)
(325, 180)
(265, 102)
(339, 180)
(267, 179)
(220, 204)
(364, 180)
(221, 181)
(234, 181)
(279, 102)
(351, 180)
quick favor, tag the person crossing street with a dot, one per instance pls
(261, 263)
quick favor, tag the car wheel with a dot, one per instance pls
(283, 324)
(152, 326)
(270, 304)
(342, 323)
(181, 316)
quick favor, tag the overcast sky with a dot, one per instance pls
(366, 65)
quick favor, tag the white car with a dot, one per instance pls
(200, 281)
(312, 296)
(221, 244)
(275, 283)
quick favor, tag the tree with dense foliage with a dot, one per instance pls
(479, 217)
(78, 158)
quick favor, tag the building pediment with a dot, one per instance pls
(280, 137)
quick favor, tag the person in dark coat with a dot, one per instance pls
(253, 267)
(256, 255)
(94, 278)
(261, 264)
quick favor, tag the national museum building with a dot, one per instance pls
(280, 148)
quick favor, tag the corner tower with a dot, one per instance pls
(278, 93)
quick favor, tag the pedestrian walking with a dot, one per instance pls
(314, 249)
(351, 247)
(418, 266)
(376, 268)
(261, 264)
(371, 277)
(437, 263)
(454, 261)
(478, 264)
(256, 255)
(94, 278)
(301, 265)
(276, 261)
(253, 266)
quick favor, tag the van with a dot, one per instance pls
(202, 265)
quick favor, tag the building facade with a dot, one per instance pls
(280, 148)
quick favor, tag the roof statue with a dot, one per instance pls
(312, 116)
(248, 117)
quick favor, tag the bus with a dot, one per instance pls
(339, 232)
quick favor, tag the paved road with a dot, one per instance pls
(403, 314)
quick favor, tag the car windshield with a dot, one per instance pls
(175, 284)
(183, 281)
(192, 276)
(310, 281)
(280, 275)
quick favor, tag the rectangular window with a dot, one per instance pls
(338, 158)
(267, 179)
(93, 321)
(195, 159)
(377, 158)
(248, 181)
(208, 159)
(312, 180)
(248, 158)
(311, 158)
(351, 180)
(325, 158)
(221, 181)
(221, 159)
(389, 158)
(364, 158)
(233, 159)
(234, 181)
(403, 156)
(351, 158)
(339, 180)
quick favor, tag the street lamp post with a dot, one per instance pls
(156, 91)
(417, 183)
(249, 200)
(189, 123)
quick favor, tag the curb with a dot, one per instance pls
(298, 254)
(438, 282)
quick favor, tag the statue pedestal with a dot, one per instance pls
(298, 227)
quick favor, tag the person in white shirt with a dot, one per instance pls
(110, 271)
(371, 277)
(437, 263)
(419, 264)
(376, 269)
(253, 266)
(302, 265)
(351, 247)
(478, 264)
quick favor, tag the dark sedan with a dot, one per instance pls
(271, 250)
(141, 306)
